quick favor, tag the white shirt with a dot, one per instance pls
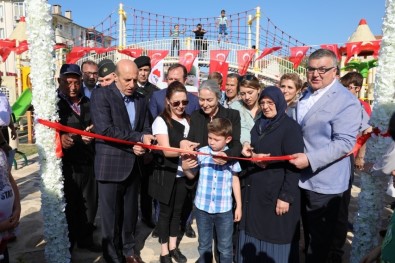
(309, 99)
(5, 110)
(160, 127)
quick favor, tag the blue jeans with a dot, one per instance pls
(223, 223)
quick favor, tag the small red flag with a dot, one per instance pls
(297, 54)
(244, 58)
(187, 57)
(156, 56)
(334, 48)
(267, 51)
(353, 48)
(76, 53)
(131, 52)
(221, 67)
(219, 55)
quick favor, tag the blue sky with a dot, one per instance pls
(312, 22)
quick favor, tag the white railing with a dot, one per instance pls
(269, 68)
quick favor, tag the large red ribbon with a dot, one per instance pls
(59, 127)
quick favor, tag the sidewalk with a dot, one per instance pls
(29, 246)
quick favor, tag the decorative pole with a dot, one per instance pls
(257, 35)
(370, 203)
(41, 45)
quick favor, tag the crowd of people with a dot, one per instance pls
(252, 210)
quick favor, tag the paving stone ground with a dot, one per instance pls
(30, 244)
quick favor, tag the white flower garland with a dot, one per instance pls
(372, 189)
(41, 43)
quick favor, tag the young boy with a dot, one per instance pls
(213, 199)
(222, 23)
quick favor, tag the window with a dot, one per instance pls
(19, 10)
(2, 35)
(1, 12)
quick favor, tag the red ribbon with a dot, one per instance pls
(59, 127)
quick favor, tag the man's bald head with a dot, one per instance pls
(126, 73)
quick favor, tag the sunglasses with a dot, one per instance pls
(177, 103)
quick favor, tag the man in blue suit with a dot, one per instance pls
(330, 118)
(176, 72)
(122, 113)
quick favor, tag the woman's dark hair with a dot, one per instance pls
(173, 87)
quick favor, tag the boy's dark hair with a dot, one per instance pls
(220, 127)
(352, 78)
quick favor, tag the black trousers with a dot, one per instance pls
(119, 211)
(145, 198)
(175, 45)
(170, 214)
(319, 213)
(341, 229)
(80, 191)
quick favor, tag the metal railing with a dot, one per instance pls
(269, 69)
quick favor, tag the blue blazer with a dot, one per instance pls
(329, 130)
(157, 103)
(114, 162)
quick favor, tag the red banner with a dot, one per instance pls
(76, 53)
(219, 55)
(297, 54)
(376, 47)
(187, 57)
(101, 50)
(267, 51)
(22, 47)
(4, 53)
(131, 52)
(156, 56)
(334, 48)
(353, 48)
(244, 58)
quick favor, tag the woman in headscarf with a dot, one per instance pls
(271, 198)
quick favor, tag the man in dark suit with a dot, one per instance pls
(176, 72)
(78, 174)
(144, 86)
(120, 113)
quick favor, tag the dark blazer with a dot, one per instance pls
(79, 153)
(114, 162)
(149, 89)
(279, 180)
(157, 103)
(199, 131)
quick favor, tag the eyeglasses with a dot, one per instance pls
(268, 103)
(177, 103)
(320, 70)
(95, 74)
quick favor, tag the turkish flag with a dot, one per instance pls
(156, 56)
(353, 48)
(244, 58)
(76, 53)
(219, 55)
(7, 43)
(221, 67)
(4, 53)
(187, 57)
(267, 51)
(376, 48)
(297, 54)
(334, 48)
(101, 50)
(131, 52)
(22, 47)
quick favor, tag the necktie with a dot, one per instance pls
(127, 99)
